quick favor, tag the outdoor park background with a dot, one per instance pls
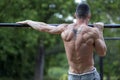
(19, 46)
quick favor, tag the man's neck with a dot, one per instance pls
(81, 21)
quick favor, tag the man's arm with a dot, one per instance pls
(43, 27)
(100, 45)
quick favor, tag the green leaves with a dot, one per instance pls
(103, 8)
(18, 46)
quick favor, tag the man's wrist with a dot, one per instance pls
(28, 21)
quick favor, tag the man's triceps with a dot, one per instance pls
(100, 47)
(54, 29)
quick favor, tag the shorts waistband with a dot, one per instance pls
(92, 71)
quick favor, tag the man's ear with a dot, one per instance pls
(89, 16)
(75, 15)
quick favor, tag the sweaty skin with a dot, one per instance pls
(79, 40)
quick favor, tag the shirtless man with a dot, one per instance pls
(80, 40)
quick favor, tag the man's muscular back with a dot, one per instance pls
(79, 45)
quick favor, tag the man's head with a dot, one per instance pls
(82, 11)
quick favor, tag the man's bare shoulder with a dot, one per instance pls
(95, 32)
(95, 29)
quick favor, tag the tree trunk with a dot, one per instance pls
(108, 77)
(39, 68)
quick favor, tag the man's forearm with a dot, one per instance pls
(36, 25)
(100, 47)
(31, 23)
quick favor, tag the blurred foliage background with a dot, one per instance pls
(19, 46)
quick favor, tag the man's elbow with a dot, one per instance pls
(103, 52)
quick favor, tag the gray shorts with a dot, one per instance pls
(93, 75)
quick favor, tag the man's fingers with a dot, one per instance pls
(98, 24)
(23, 22)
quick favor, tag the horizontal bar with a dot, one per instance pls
(21, 25)
(18, 25)
(13, 25)
(106, 26)
(112, 38)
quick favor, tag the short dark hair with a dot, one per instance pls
(82, 10)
